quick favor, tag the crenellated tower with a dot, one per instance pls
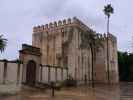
(59, 43)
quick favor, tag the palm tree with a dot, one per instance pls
(108, 10)
(3, 43)
(90, 41)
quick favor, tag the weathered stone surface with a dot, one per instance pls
(59, 44)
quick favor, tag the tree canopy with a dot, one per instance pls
(125, 63)
(108, 10)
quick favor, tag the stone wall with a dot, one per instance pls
(11, 77)
(56, 74)
(59, 43)
(102, 70)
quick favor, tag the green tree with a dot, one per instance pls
(90, 41)
(125, 64)
(3, 43)
(123, 68)
(108, 10)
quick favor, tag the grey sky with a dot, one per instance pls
(17, 17)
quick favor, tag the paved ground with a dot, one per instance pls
(9, 88)
(101, 92)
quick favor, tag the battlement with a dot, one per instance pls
(59, 23)
(69, 22)
(107, 36)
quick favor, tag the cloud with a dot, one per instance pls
(17, 17)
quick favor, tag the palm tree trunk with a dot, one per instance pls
(108, 61)
(108, 74)
(5, 72)
(108, 25)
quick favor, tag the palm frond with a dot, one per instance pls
(3, 43)
(108, 10)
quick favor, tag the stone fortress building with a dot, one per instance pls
(55, 54)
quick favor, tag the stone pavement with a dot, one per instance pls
(123, 91)
(9, 88)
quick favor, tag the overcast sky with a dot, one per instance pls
(17, 18)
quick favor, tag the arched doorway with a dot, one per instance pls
(31, 73)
